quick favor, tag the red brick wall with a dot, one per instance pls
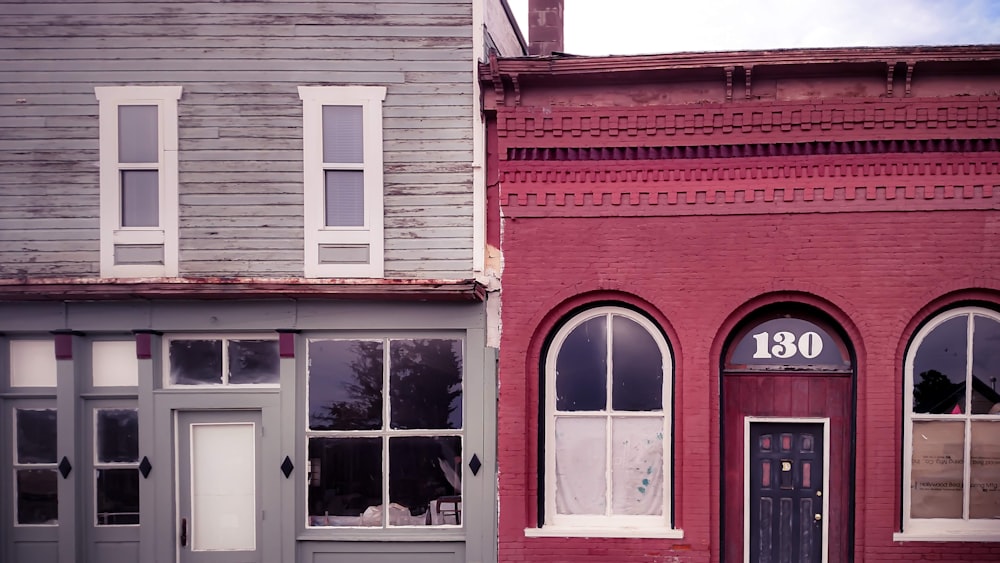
(878, 273)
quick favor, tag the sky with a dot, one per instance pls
(631, 27)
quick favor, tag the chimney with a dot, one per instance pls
(545, 27)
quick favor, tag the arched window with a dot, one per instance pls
(952, 435)
(607, 426)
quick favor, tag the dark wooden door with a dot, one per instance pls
(786, 492)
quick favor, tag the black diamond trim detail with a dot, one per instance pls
(475, 464)
(145, 467)
(287, 467)
(65, 467)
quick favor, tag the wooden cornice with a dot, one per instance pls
(99, 289)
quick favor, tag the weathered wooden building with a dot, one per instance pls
(244, 281)
(751, 305)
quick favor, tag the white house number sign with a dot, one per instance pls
(786, 344)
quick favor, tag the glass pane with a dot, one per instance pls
(195, 362)
(138, 140)
(117, 436)
(425, 481)
(637, 375)
(223, 487)
(345, 481)
(253, 361)
(345, 385)
(937, 469)
(37, 496)
(985, 365)
(939, 369)
(345, 198)
(425, 383)
(36, 435)
(117, 497)
(343, 134)
(581, 463)
(140, 198)
(984, 499)
(582, 368)
(636, 466)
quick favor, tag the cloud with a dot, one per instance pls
(623, 27)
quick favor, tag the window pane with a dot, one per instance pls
(637, 375)
(345, 481)
(117, 497)
(140, 198)
(345, 385)
(425, 383)
(343, 134)
(138, 140)
(582, 368)
(425, 481)
(984, 500)
(345, 198)
(117, 436)
(985, 365)
(253, 361)
(195, 362)
(37, 496)
(939, 369)
(938, 465)
(637, 465)
(36, 435)
(581, 463)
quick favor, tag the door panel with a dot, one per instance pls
(786, 492)
(218, 487)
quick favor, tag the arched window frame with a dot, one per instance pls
(943, 529)
(608, 525)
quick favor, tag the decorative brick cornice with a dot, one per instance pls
(964, 117)
(724, 186)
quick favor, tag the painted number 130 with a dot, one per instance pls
(786, 345)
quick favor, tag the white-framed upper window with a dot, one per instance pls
(607, 427)
(342, 158)
(951, 448)
(138, 178)
(201, 360)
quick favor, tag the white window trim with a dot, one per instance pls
(166, 234)
(625, 526)
(370, 99)
(940, 529)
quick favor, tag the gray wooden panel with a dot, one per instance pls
(373, 552)
(35, 552)
(240, 137)
(116, 552)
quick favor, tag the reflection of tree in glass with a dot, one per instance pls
(933, 392)
(426, 384)
(363, 409)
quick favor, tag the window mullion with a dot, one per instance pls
(386, 417)
(967, 449)
(608, 421)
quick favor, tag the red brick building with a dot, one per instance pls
(751, 305)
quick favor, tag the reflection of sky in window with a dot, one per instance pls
(330, 371)
(638, 368)
(986, 349)
(581, 368)
(944, 350)
(747, 346)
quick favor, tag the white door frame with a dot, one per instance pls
(747, 421)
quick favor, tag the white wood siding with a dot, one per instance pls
(240, 119)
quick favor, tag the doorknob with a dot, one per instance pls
(184, 531)
(817, 517)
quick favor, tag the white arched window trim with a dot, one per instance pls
(943, 529)
(607, 525)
